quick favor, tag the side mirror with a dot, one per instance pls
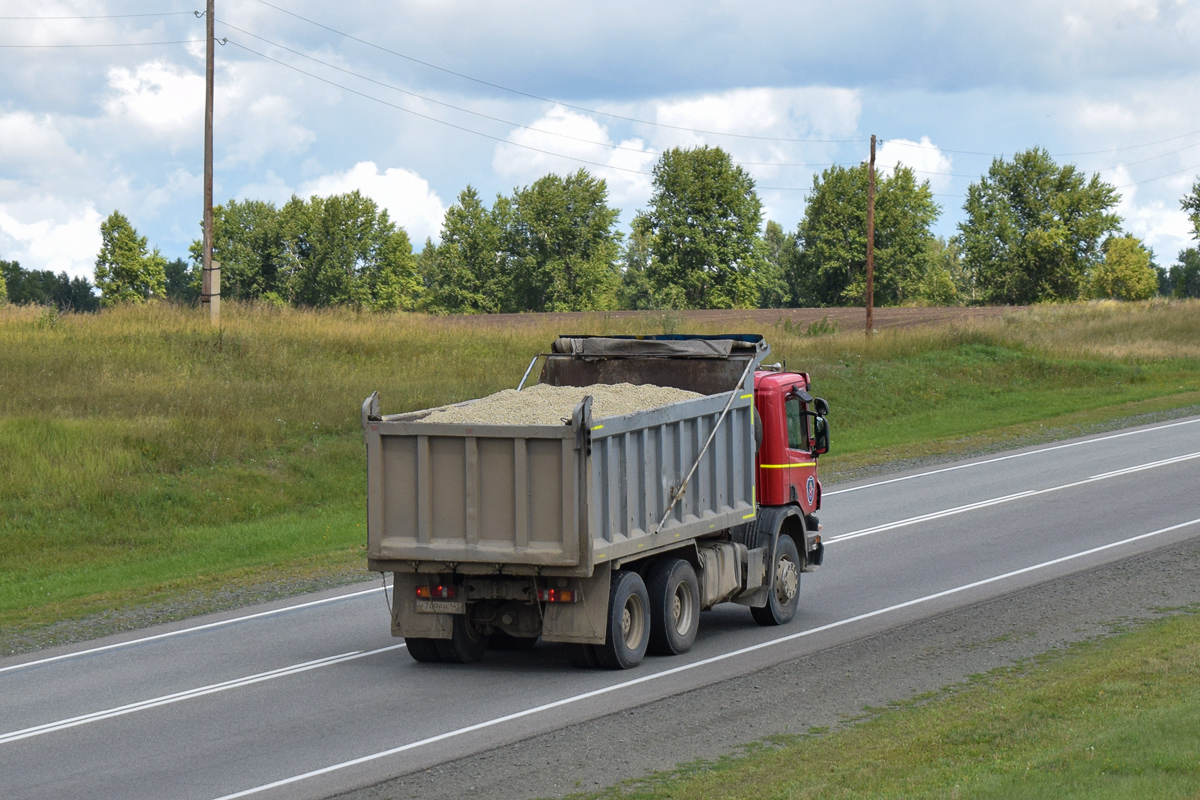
(821, 407)
(820, 435)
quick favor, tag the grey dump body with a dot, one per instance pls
(568, 500)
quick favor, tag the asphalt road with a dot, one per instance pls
(311, 697)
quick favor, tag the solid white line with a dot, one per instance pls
(705, 662)
(233, 620)
(1011, 456)
(192, 629)
(950, 512)
(188, 694)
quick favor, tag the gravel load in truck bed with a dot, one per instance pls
(542, 404)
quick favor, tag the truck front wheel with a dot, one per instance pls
(784, 596)
(674, 607)
(628, 622)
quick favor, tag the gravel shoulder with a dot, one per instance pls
(931, 655)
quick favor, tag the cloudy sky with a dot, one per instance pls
(409, 101)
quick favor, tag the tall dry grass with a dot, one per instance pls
(140, 442)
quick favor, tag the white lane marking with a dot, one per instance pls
(950, 512)
(285, 609)
(188, 694)
(705, 662)
(1008, 457)
(192, 629)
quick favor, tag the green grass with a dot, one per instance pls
(1111, 719)
(144, 454)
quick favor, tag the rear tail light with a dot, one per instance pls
(439, 592)
(556, 595)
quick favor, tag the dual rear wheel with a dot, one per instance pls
(660, 614)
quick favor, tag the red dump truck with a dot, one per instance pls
(608, 534)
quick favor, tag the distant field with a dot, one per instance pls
(148, 457)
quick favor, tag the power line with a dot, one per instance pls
(608, 145)
(428, 99)
(532, 96)
(112, 44)
(105, 16)
(434, 119)
(472, 130)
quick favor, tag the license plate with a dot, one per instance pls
(442, 606)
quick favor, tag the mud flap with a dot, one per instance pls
(406, 620)
(584, 622)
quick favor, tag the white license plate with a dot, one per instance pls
(442, 606)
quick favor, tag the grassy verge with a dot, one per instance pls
(148, 457)
(1108, 719)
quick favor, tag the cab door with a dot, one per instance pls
(801, 484)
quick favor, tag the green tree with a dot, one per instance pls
(44, 288)
(1185, 275)
(467, 273)
(1034, 230)
(1191, 204)
(3, 287)
(248, 244)
(344, 250)
(778, 251)
(126, 271)
(564, 245)
(635, 286)
(183, 282)
(831, 269)
(702, 225)
(1125, 273)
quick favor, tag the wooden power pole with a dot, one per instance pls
(871, 239)
(210, 291)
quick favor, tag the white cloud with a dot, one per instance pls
(267, 126)
(407, 197)
(539, 149)
(923, 157)
(795, 113)
(1162, 226)
(61, 239)
(33, 145)
(161, 97)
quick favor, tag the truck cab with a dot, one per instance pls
(793, 434)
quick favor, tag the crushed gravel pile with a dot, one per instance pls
(542, 404)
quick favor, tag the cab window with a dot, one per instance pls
(797, 424)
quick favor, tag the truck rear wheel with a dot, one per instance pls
(674, 607)
(784, 596)
(466, 643)
(423, 650)
(582, 656)
(628, 622)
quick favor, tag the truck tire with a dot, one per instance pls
(582, 656)
(784, 596)
(466, 643)
(423, 650)
(628, 631)
(506, 641)
(674, 607)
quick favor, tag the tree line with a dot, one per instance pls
(1033, 231)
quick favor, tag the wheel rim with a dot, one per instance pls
(787, 580)
(681, 609)
(633, 622)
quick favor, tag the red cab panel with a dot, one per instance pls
(787, 467)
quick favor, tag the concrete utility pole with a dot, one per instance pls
(210, 291)
(871, 240)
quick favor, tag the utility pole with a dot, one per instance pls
(210, 291)
(871, 239)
